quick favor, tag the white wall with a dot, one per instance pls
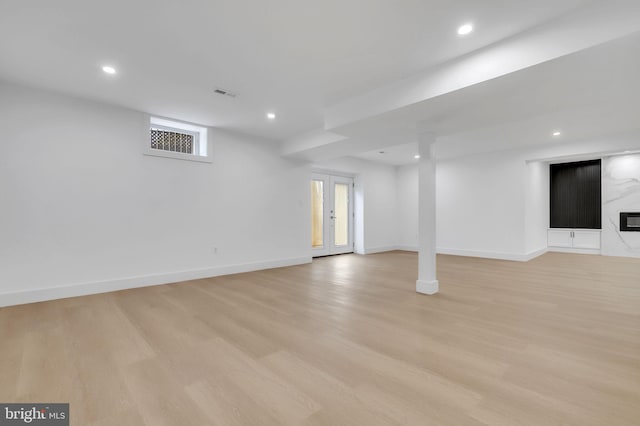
(481, 205)
(621, 193)
(84, 211)
(497, 204)
(536, 206)
(484, 203)
(407, 196)
(375, 208)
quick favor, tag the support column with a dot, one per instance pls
(427, 282)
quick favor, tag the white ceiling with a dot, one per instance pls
(588, 94)
(395, 155)
(289, 56)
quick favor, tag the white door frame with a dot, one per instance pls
(328, 232)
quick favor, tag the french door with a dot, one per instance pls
(331, 215)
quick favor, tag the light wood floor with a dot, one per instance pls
(346, 340)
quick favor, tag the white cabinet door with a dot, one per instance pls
(586, 239)
(581, 239)
(559, 238)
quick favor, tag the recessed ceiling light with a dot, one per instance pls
(271, 116)
(380, 152)
(416, 156)
(465, 29)
(108, 69)
(556, 133)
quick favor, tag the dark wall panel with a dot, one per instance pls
(576, 195)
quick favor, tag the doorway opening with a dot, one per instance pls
(331, 215)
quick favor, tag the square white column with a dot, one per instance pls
(427, 282)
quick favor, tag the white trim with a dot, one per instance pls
(525, 257)
(533, 254)
(83, 289)
(407, 248)
(332, 173)
(518, 257)
(177, 155)
(372, 250)
(574, 250)
(427, 287)
(585, 157)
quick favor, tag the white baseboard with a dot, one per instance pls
(427, 287)
(525, 257)
(407, 248)
(83, 289)
(533, 254)
(382, 249)
(372, 250)
(468, 253)
(574, 250)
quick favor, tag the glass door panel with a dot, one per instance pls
(317, 213)
(341, 214)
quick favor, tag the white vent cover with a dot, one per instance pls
(224, 92)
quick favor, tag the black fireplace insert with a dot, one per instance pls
(630, 221)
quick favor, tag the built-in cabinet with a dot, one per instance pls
(575, 207)
(580, 239)
(576, 195)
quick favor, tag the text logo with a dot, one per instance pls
(39, 414)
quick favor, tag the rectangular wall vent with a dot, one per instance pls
(174, 141)
(224, 92)
(177, 139)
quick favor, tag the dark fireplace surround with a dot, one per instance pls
(630, 221)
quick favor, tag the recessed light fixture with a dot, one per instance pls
(271, 115)
(556, 133)
(465, 29)
(417, 156)
(380, 152)
(109, 69)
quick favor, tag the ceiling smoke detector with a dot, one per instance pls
(224, 92)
